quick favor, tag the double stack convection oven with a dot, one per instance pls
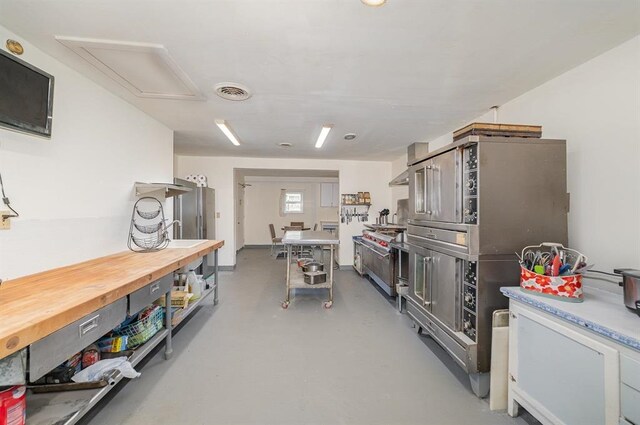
(473, 204)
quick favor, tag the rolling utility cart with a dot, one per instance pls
(295, 277)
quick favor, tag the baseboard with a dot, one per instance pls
(227, 268)
(347, 267)
(257, 246)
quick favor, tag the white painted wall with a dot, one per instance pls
(262, 202)
(398, 192)
(74, 192)
(355, 176)
(596, 108)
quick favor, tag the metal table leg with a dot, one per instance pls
(215, 265)
(285, 303)
(329, 303)
(168, 348)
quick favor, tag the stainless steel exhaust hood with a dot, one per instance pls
(401, 180)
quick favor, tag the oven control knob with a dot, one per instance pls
(471, 184)
(466, 325)
(468, 298)
(467, 211)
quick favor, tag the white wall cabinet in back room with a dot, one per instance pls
(329, 195)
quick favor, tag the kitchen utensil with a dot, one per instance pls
(540, 272)
(313, 267)
(303, 261)
(555, 268)
(631, 287)
(314, 278)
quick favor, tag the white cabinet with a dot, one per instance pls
(629, 389)
(329, 195)
(563, 374)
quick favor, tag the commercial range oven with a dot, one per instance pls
(473, 204)
(379, 260)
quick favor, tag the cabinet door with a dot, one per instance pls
(564, 376)
(326, 195)
(444, 195)
(335, 198)
(444, 280)
(417, 272)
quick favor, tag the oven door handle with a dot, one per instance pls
(427, 277)
(376, 252)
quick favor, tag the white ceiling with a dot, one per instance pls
(408, 71)
(263, 172)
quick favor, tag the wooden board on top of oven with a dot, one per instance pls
(503, 130)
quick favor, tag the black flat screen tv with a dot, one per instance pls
(26, 96)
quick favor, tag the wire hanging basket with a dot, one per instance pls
(148, 231)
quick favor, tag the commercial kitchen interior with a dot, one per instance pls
(265, 98)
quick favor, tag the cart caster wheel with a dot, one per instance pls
(285, 305)
(328, 304)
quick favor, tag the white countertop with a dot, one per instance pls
(602, 312)
(307, 237)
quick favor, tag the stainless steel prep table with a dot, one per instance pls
(295, 278)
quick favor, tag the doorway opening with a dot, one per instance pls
(279, 197)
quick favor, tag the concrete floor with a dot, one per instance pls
(247, 361)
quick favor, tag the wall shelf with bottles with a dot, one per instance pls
(360, 198)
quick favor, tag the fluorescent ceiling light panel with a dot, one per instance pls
(323, 135)
(222, 125)
(146, 70)
(374, 3)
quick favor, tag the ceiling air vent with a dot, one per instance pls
(232, 91)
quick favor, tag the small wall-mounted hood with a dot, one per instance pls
(165, 189)
(401, 180)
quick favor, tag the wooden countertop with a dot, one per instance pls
(37, 305)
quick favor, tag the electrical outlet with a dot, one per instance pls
(5, 223)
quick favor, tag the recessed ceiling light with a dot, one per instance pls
(350, 136)
(323, 135)
(374, 3)
(222, 125)
(285, 145)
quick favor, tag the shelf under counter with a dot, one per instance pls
(179, 315)
(68, 407)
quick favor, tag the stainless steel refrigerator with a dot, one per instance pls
(196, 211)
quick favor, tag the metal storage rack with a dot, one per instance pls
(295, 278)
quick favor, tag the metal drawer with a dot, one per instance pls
(145, 296)
(52, 350)
(630, 372)
(630, 404)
